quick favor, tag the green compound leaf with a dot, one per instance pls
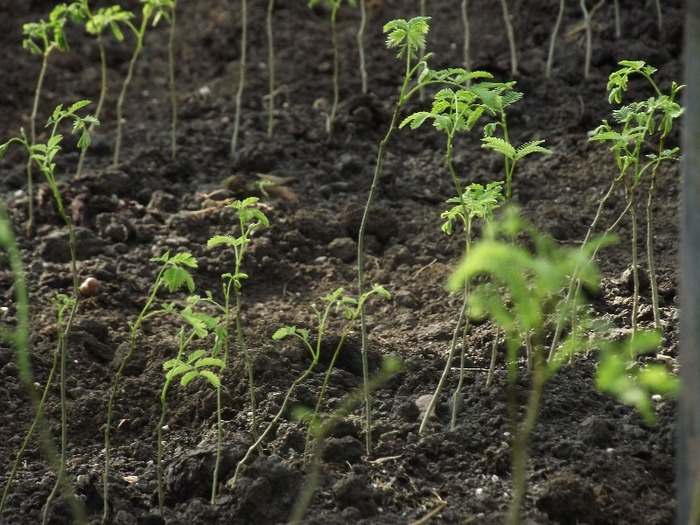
(407, 35)
(186, 259)
(499, 145)
(175, 278)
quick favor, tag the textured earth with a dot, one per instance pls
(592, 459)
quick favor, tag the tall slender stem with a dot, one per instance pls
(361, 44)
(270, 69)
(241, 78)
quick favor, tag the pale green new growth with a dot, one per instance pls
(524, 292)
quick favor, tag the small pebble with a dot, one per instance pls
(90, 287)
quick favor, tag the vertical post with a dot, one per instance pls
(688, 436)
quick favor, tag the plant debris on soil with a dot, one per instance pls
(592, 459)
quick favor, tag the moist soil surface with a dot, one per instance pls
(592, 460)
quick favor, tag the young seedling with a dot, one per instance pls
(95, 24)
(620, 374)
(642, 122)
(42, 38)
(361, 44)
(173, 275)
(152, 11)
(466, 46)
(242, 63)
(475, 202)
(199, 363)
(171, 81)
(249, 218)
(522, 297)
(43, 155)
(350, 307)
(337, 301)
(334, 6)
(455, 111)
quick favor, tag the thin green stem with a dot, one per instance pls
(139, 33)
(32, 140)
(651, 261)
(143, 315)
(100, 100)
(553, 39)
(361, 44)
(511, 38)
(241, 78)
(270, 68)
(336, 71)
(171, 82)
(589, 39)
(523, 433)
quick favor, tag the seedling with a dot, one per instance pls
(456, 111)
(466, 46)
(249, 219)
(523, 295)
(334, 301)
(361, 44)
(242, 62)
(553, 38)
(475, 202)
(334, 6)
(350, 307)
(641, 122)
(171, 81)
(199, 363)
(42, 38)
(409, 37)
(19, 338)
(173, 275)
(95, 24)
(152, 11)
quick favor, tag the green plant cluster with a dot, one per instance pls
(514, 275)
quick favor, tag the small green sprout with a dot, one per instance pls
(112, 17)
(242, 63)
(337, 302)
(198, 364)
(44, 156)
(249, 219)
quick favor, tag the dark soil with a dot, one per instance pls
(592, 461)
